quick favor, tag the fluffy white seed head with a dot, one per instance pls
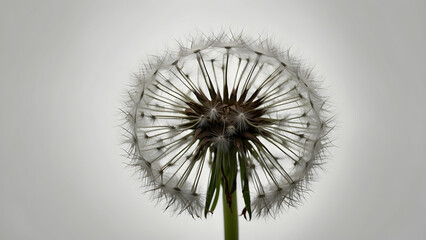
(219, 94)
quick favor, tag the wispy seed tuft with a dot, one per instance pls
(221, 109)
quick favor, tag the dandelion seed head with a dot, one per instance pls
(225, 95)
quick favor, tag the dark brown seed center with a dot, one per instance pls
(225, 122)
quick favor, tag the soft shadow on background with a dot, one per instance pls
(65, 68)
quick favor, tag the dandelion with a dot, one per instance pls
(226, 114)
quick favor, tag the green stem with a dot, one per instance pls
(230, 217)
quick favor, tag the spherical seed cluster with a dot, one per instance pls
(224, 107)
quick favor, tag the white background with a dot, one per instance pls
(64, 70)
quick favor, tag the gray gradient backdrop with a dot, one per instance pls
(64, 68)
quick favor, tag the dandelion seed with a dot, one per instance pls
(222, 109)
